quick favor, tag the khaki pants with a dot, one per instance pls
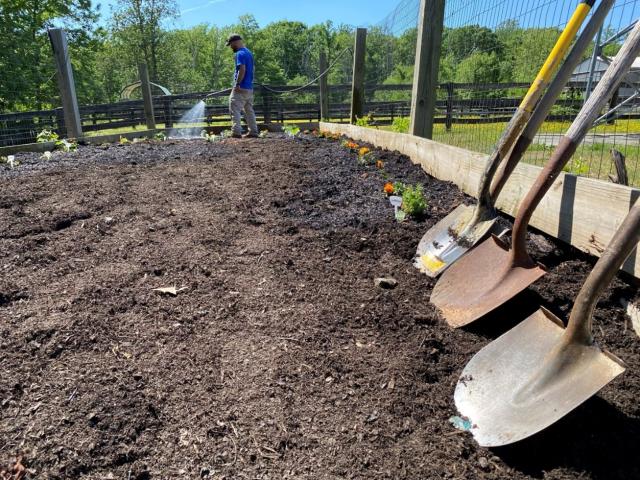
(239, 101)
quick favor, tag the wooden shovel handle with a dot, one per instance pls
(549, 98)
(569, 143)
(522, 115)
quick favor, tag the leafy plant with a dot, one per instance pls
(366, 156)
(400, 124)
(46, 155)
(47, 136)
(226, 134)
(263, 133)
(124, 141)
(10, 160)
(211, 137)
(291, 130)
(365, 121)
(160, 136)
(414, 202)
(399, 188)
(66, 145)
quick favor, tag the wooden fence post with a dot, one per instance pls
(324, 88)
(449, 118)
(168, 112)
(266, 105)
(425, 76)
(145, 85)
(72, 120)
(357, 87)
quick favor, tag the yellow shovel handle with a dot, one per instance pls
(555, 57)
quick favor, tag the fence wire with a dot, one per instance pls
(29, 98)
(493, 49)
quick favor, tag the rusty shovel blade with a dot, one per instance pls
(508, 391)
(481, 281)
(441, 245)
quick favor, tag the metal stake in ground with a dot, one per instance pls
(493, 273)
(448, 240)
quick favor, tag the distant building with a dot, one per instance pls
(581, 74)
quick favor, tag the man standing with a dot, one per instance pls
(242, 94)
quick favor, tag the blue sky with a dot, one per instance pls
(226, 12)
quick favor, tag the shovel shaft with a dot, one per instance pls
(523, 114)
(569, 143)
(621, 245)
(549, 98)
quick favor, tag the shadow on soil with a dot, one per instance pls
(596, 439)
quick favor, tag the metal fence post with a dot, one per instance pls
(168, 112)
(324, 88)
(425, 77)
(145, 85)
(72, 120)
(357, 87)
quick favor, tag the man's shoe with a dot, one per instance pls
(250, 135)
(236, 135)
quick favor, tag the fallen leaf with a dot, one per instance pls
(169, 290)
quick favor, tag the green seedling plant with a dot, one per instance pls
(46, 155)
(366, 157)
(226, 134)
(211, 137)
(124, 141)
(399, 188)
(414, 203)
(66, 145)
(160, 136)
(47, 136)
(264, 133)
(10, 160)
(291, 130)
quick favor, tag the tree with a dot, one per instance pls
(139, 24)
(459, 43)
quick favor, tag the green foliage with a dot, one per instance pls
(577, 166)
(10, 160)
(291, 130)
(124, 141)
(365, 121)
(47, 136)
(160, 136)
(414, 202)
(66, 145)
(211, 137)
(264, 133)
(400, 124)
(399, 188)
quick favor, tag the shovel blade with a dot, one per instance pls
(495, 389)
(481, 281)
(441, 245)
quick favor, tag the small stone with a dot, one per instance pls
(387, 283)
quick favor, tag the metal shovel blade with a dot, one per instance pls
(480, 282)
(442, 245)
(499, 391)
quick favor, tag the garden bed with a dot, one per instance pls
(279, 358)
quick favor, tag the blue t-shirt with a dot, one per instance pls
(244, 57)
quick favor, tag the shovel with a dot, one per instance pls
(536, 373)
(465, 226)
(492, 273)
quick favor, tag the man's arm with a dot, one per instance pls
(242, 70)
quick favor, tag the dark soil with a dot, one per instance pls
(280, 358)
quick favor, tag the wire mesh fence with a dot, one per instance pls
(491, 52)
(29, 99)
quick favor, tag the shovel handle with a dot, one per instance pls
(549, 98)
(523, 114)
(569, 143)
(621, 245)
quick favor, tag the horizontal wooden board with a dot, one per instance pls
(581, 211)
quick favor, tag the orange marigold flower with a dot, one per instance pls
(379, 164)
(363, 151)
(388, 188)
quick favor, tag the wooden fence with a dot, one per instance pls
(457, 103)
